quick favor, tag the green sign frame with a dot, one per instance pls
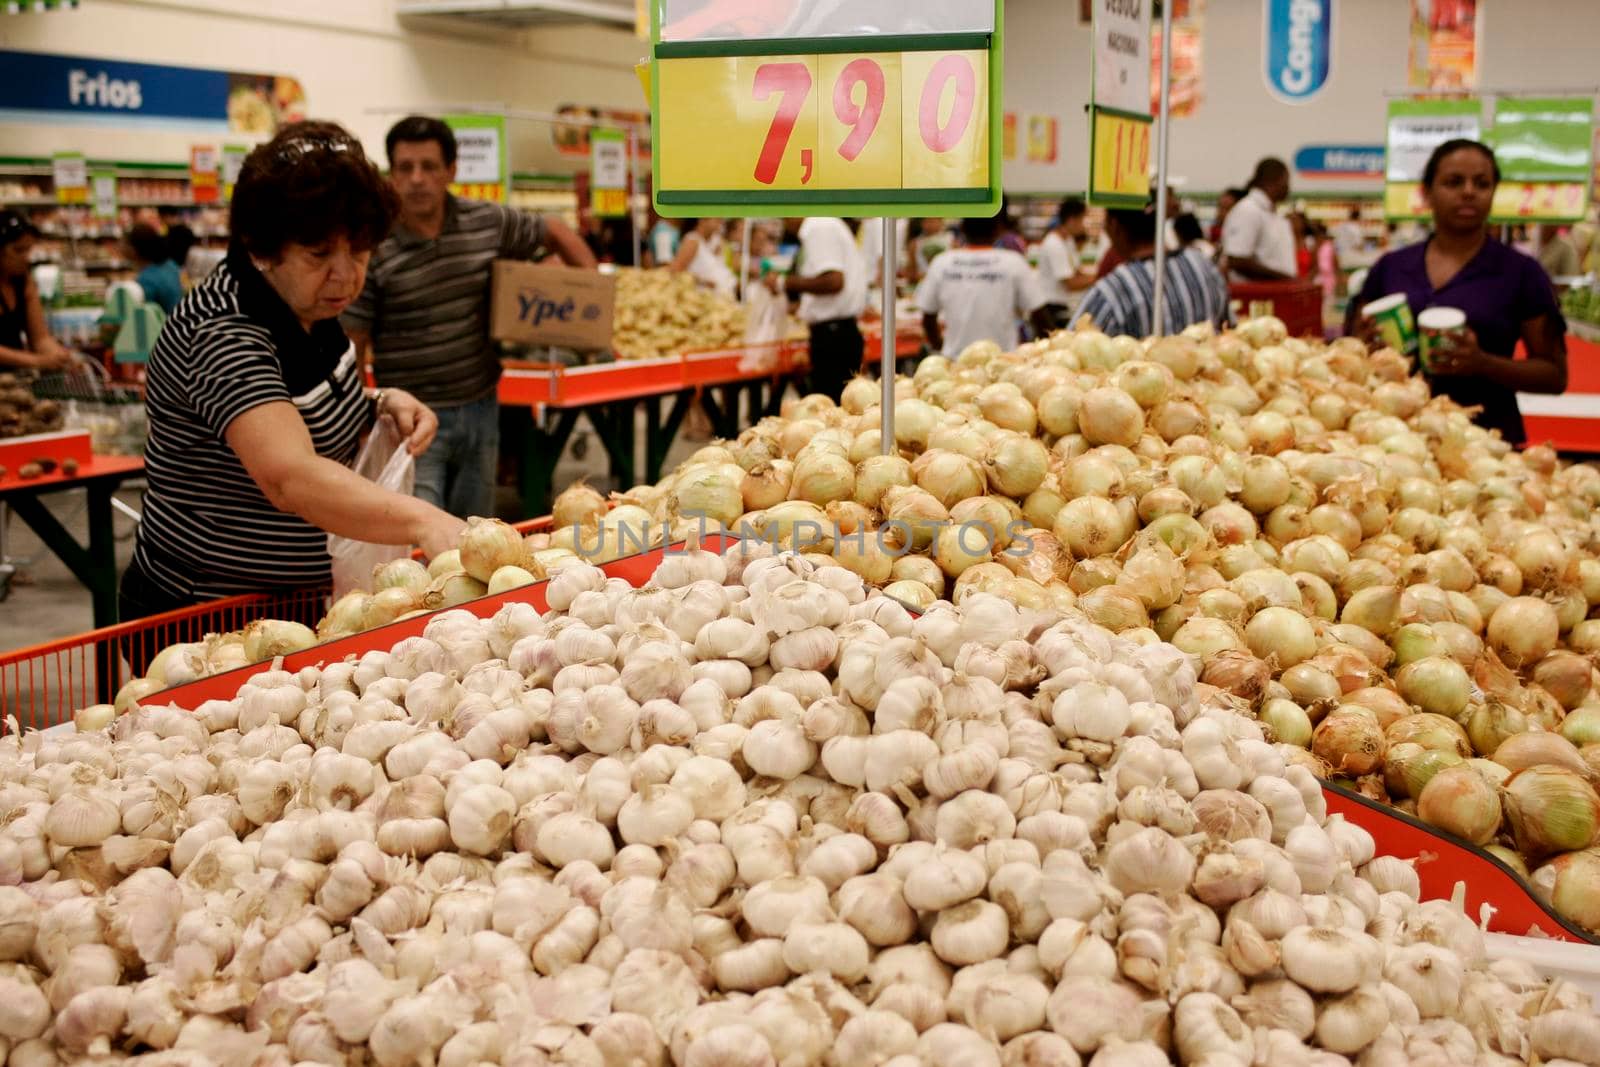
(481, 121)
(856, 203)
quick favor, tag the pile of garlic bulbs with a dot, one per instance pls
(746, 815)
(1341, 549)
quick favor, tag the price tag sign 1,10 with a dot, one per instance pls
(1119, 165)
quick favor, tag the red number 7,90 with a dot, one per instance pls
(792, 83)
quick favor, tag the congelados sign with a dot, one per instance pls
(1298, 47)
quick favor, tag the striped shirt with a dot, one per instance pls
(232, 345)
(1120, 302)
(426, 301)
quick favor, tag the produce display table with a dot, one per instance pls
(94, 564)
(540, 405)
(1571, 421)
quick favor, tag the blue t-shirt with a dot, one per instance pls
(1499, 290)
(162, 285)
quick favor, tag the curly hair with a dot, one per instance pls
(308, 185)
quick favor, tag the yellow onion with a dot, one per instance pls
(1175, 419)
(1206, 638)
(1374, 608)
(1539, 748)
(860, 393)
(1114, 607)
(489, 544)
(1566, 676)
(1571, 884)
(1288, 722)
(1541, 557)
(403, 573)
(916, 512)
(1585, 637)
(1147, 382)
(1369, 645)
(875, 474)
(1551, 809)
(1386, 704)
(918, 569)
(1005, 406)
(1489, 724)
(958, 547)
(508, 578)
(1107, 415)
(1281, 635)
(1408, 767)
(1181, 532)
(948, 476)
(913, 594)
(820, 478)
(1460, 801)
(1016, 465)
(847, 516)
(1351, 743)
(1090, 475)
(914, 420)
(1238, 672)
(981, 578)
(1435, 684)
(796, 524)
(578, 504)
(1222, 603)
(766, 484)
(1317, 597)
(344, 617)
(1523, 630)
(1582, 727)
(131, 693)
(1415, 641)
(867, 554)
(1058, 409)
(1090, 526)
(389, 604)
(1430, 731)
(994, 516)
(1308, 685)
(447, 562)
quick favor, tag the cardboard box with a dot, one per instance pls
(563, 306)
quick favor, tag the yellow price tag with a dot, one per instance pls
(1539, 200)
(1121, 156)
(907, 120)
(608, 203)
(1404, 200)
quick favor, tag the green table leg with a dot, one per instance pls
(537, 451)
(659, 433)
(614, 424)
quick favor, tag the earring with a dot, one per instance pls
(260, 266)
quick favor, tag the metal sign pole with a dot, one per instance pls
(1158, 318)
(886, 367)
(744, 260)
(633, 219)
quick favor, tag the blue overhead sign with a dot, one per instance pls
(1340, 161)
(1299, 47)
(39, 86)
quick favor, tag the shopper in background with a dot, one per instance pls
(830, 277)
(933, 237)
(1225, 202)
(663, 240)
(156, 274)
(871, 231)
(983, 293)
(1190, 235)
(181, 240)
(1061, 273)
(424, 313)
(1258, 245)
(1007, 236)
(255, 397)
(1347, 236)
(25, 339)
(1121, 303)
(700, 253)
(1558, 255)
(1505, 295)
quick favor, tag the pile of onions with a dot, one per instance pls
(1343, 551)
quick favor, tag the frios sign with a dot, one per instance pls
(831, 107)
(1298, 47)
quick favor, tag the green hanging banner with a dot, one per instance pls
(1545, 146)
(1415, 129)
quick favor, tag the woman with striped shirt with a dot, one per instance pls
(256, 403)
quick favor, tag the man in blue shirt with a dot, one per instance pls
(158, 276)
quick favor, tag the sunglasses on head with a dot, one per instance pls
(301, 147)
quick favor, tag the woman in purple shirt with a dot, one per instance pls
(1506, 295)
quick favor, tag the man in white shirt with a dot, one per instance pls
(982, 292)
(830, 277)
(1257, 243)
(1061, 273)
(1347, 236)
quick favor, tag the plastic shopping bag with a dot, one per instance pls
(384, 460)
(766, 318)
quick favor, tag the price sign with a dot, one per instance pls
(69, 173)
(1119, 159)
(481, 171)
(1119, 118)
(608, 173)
(894, 124)
(103, 184)
(205, 180)
(233, 157)
(1540, 201)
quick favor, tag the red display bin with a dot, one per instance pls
(1298, 304)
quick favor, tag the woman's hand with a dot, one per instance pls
(439, 532)
(53, 355)
(416, 421)
(1460, 358)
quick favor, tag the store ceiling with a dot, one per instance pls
(520, 14)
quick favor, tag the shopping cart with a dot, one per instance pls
(42, 685)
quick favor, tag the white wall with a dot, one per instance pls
(353, 55)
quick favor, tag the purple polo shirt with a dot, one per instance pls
(1500, 289)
